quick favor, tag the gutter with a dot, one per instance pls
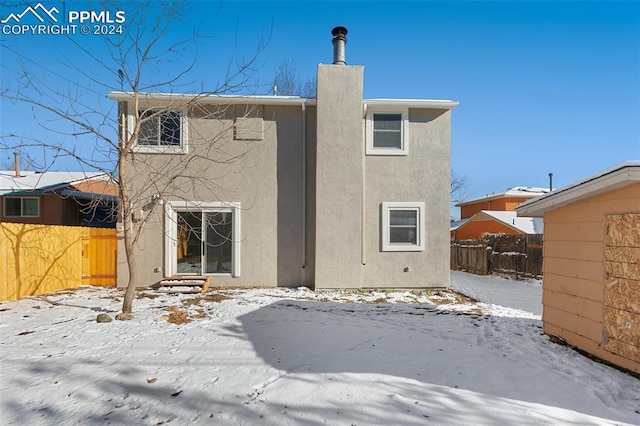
(363, 258)
(304, 191)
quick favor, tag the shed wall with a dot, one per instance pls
(574, 272)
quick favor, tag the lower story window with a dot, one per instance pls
(21, 206)
(403, 226)
(203, 239)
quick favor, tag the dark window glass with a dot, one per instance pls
(403, 226)
(387, 131)
(159, 128)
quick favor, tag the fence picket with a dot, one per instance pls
(516, 255)
(40, 259)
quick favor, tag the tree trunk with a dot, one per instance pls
(127, 222)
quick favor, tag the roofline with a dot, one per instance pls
(486, 215)
(615, 177)
(182, 99)
(94, 196)
(413, 103)
(483, 213)
(495, 197)
(57, 185)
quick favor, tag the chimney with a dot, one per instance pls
(339, 41)
(16, 163)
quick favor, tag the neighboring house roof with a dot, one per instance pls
(516, 191)
(40, 182)
(522, 225)
(615, 177)
(526, 225)
(170, 99)
(457, 224)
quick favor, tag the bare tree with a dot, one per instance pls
(287, 81)
(459, 185)
(70, 106)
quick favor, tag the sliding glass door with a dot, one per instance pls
(204, 242)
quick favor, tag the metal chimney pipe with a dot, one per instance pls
(550, 181)
(339, 41)
(16, 163)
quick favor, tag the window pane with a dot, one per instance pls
(170, 129)
(403, 217)
(218, 242)
(12, 206)
(387, 139)
(387, 121)
(30, 206)
(148, 129)
(403, 235)
(189, 242)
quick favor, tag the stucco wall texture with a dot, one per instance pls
(310, 198)
(591, 285)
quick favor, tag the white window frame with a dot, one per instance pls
(21, 198)
(162, 149)
(404, 121)
(419, 209)
(171, 244)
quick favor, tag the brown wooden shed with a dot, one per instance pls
(591, 284)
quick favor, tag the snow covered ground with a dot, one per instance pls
(294, 357)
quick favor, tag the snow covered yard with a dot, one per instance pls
(281, 356)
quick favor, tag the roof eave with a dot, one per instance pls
(492, 197)
(184, 99)
(413, 103)
(609, 180)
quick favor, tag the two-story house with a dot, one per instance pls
(333, 192)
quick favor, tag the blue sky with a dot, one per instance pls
(543, 86)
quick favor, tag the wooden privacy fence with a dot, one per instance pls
(515, 255)
(37, 259)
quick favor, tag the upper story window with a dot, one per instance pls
(387, 132)
(21, 206)
(162, 131)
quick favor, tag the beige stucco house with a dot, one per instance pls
(332, 192)
(591, 285)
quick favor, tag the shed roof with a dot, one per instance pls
(615, 177)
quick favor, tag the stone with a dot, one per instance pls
(103, 318)
(124, 316)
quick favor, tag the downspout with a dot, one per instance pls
(304, 191)
(363, 258)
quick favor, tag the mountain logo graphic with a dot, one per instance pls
(38, 11)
